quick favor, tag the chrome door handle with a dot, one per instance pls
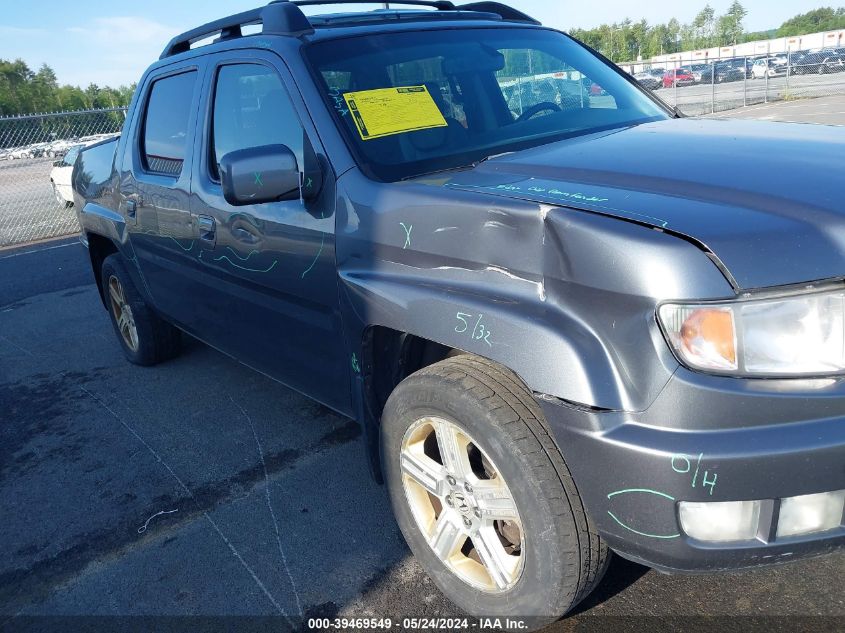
(207, 228)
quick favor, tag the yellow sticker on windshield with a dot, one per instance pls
(388, 111)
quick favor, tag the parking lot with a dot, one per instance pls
(823, 111)
(202, 488)
(28, 209)
(706, 98)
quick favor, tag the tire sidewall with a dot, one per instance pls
(545, 588)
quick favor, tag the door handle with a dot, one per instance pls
(243, 235)
(131, 209)
(207, 228)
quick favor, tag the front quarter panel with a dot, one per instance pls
(566, 299)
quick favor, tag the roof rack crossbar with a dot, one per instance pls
(508, 13)
(280, 17)
(284, 17)
(442, 5)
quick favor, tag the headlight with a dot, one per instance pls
(802, 335)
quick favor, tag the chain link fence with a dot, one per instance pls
(36, 154)
(717, 85)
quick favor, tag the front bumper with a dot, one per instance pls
(706, 439)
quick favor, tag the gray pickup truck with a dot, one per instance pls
(569, 320)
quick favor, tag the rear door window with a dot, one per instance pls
(165, 134)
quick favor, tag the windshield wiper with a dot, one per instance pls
(490, 157)
(472, 165)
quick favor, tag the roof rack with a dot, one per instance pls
(284, 17)
(442, 5)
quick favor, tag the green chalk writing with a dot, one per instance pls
(408, 230)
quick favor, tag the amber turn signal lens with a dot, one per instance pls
(712, 329)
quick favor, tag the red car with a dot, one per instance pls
(679, 76)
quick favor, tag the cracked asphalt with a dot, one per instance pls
(256, 501)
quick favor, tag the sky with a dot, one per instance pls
(111, 42)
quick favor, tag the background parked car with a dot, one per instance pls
(820, 63)
(771, 67)
(699, 71)
(650, 79)
(834, 63)
(60, 176)
(730, 70)
(678, 76)
(17, 153)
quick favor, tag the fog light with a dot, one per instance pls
(811, 513)
(720, 520)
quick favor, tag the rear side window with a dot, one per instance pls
(166, 123)
(251, 109)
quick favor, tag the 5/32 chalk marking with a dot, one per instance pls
(479, 331)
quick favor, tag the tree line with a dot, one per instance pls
(629, 41)
(24, 91)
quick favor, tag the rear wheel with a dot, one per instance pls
(146, 339)
(483, 496)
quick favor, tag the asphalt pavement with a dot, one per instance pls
(201, 488)
(824, 110)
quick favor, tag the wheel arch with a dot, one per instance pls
(388, 356)
(99, 248)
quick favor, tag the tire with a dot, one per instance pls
(146, 339)
(562, 558)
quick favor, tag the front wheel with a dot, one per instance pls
(483, 496)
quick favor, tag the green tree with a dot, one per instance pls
(730, 27)
(23, 91)
(704, 27)
(825, 19)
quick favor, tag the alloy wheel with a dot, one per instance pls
(462, 505)
(123, 314)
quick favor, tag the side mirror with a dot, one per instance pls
(268, 173)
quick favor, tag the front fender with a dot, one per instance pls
(564, 298)
(514, 328)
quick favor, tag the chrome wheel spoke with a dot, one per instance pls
(424, 471)
(494, 557)
(457, 496)
(123, 314)
(447, 537)
(115, 295)
(495, 501)
(453, 452)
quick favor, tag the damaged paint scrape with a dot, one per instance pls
(559, 194)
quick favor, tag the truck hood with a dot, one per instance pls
(766, 199)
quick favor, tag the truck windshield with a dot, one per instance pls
(411, 103)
